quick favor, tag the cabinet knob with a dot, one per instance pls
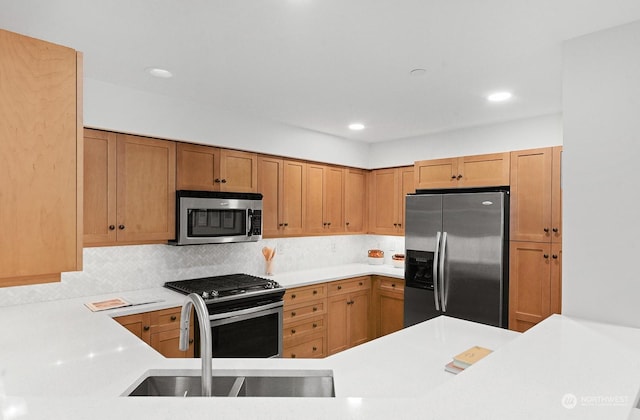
(112, 227)
(293, 355)
(329, 223)
(224, 181)
(293, 314)
(555, 230)
(315, 348)
(554, 256)
(459, 176)
(360, 284)
(191, 341)
(346, 223)
(315, 309)
(339, 287)
(315, 325)
(217, 180)
(146, 328)
(393, 285)
(293, 331)
(546, 230)
(453, 177)
(546, 256)
(399, 224)
(315, 292)
(293, 296)
(173, 317)
(286, 224)
(395, 225)
(280, 224)
(121, 227)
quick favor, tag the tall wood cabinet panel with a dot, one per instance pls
(463, 172)
(355, 200)
(41, 160)
(389, 188)
(281, 183)
(130, 192)
(324, 208)
(207, 168)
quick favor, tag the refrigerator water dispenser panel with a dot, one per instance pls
(419, 269)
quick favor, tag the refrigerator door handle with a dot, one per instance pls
(443, 292)
(435, 272)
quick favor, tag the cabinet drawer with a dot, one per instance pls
(305, 311)
(392, 285)
(165, 319)
(294, 330)
(304, 294)
(349, 285)
(309, 349)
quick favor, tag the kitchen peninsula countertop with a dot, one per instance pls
(59, 360)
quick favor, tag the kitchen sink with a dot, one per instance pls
(236, 383)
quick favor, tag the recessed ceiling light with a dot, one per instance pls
(157, 72)
(499, 96)
(356, 126)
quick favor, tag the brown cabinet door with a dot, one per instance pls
(436, 173)
(556, 278)
(314, 216)
(271, 185)
(145, 189)
(355, 200)
(484, 170)
(293, 197)
(407, 186)
(135, 323)
(383, 202)
(358, 318)
(99, 187)
(529, 284)
(531, 195)
(238, 171)
(556, 196)
(41, 155)
(198, 167)
(391, 312)
(167, 343)
(333, 199)
(337, 323)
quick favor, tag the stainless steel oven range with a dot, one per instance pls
(245, 313)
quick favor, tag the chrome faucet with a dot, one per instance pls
(206, 347)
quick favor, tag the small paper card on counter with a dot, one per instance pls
(107, 304)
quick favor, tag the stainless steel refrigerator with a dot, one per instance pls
(457, 256)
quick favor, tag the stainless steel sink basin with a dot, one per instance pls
(236, 383)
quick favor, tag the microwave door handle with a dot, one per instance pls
(443, 288)
(250, 221)
(435, 272)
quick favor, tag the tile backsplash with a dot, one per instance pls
(115, 269)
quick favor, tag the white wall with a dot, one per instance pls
(601, 234)
(522, 134)
(121, 109)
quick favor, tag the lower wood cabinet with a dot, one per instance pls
(388, 305)
(160, 329)
(348, 305)
(304, 322)
(534, 283)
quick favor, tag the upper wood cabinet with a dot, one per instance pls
(140, 207)
(281, 183)
(463, 172)
(209, 168)
(536, 196)
(41, 160)
(389, 188)
(355, 200)
(324, 208)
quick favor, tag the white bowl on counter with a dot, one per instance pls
(398, 263)
(376, 260)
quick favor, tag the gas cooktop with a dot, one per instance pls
(230, 286)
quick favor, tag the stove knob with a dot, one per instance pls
(214, 293)
(205, 295)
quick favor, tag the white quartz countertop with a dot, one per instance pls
(59, 360)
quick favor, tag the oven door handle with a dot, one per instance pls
(247, 311)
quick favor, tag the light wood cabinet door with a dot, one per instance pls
(484, 170)
(40, 160)
(407, 186)
(529, 284)
(531, 195)
(348, 309)
(338, 323)
(556, 196)
(271, 186)
(167, 343)
(355, 200)
(389, 188)
(359, 317)
(436, 173)
(99, 187)
(333, 206)
(198, 167)
(145, 189)
(556, 279)
(314, 217)
(238, 171)
(293, 205)
(324, 209)
(388, 305)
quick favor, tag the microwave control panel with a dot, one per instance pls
(256, 222)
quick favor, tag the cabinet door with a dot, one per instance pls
(41, 160)
(333, 206)
(99, 187)
(436, 173)
(529, 284)
(383, 202)
(556, 196)
(484, 170)
(238, 171)
(358, 318)
(314, 217)
(271, 186)
(389, 305)
(135, 323)
(167, 343)
(294, 181)
(145, 188)
(407, 186)
(531, 195)
(355, 200)
(556, 278)
(337, 323)
(198, 167)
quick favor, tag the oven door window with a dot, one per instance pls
(258, 336)
(216, 222)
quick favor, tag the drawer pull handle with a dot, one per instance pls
(293, 355)
(393, 285)
(315, 292)
(360, 283)
(191, 341)
(293, 314)
(315, 348)
(339, 287)
(293, 296)
(315, 309)
(173, 317)
(146, 328)
(293, 331)
(315, 325)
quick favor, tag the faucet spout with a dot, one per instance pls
(206, 347)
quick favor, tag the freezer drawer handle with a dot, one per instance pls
(443, 291)
(435, 272)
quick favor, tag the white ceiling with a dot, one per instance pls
(321, 64)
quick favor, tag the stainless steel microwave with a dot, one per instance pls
(210, 217)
